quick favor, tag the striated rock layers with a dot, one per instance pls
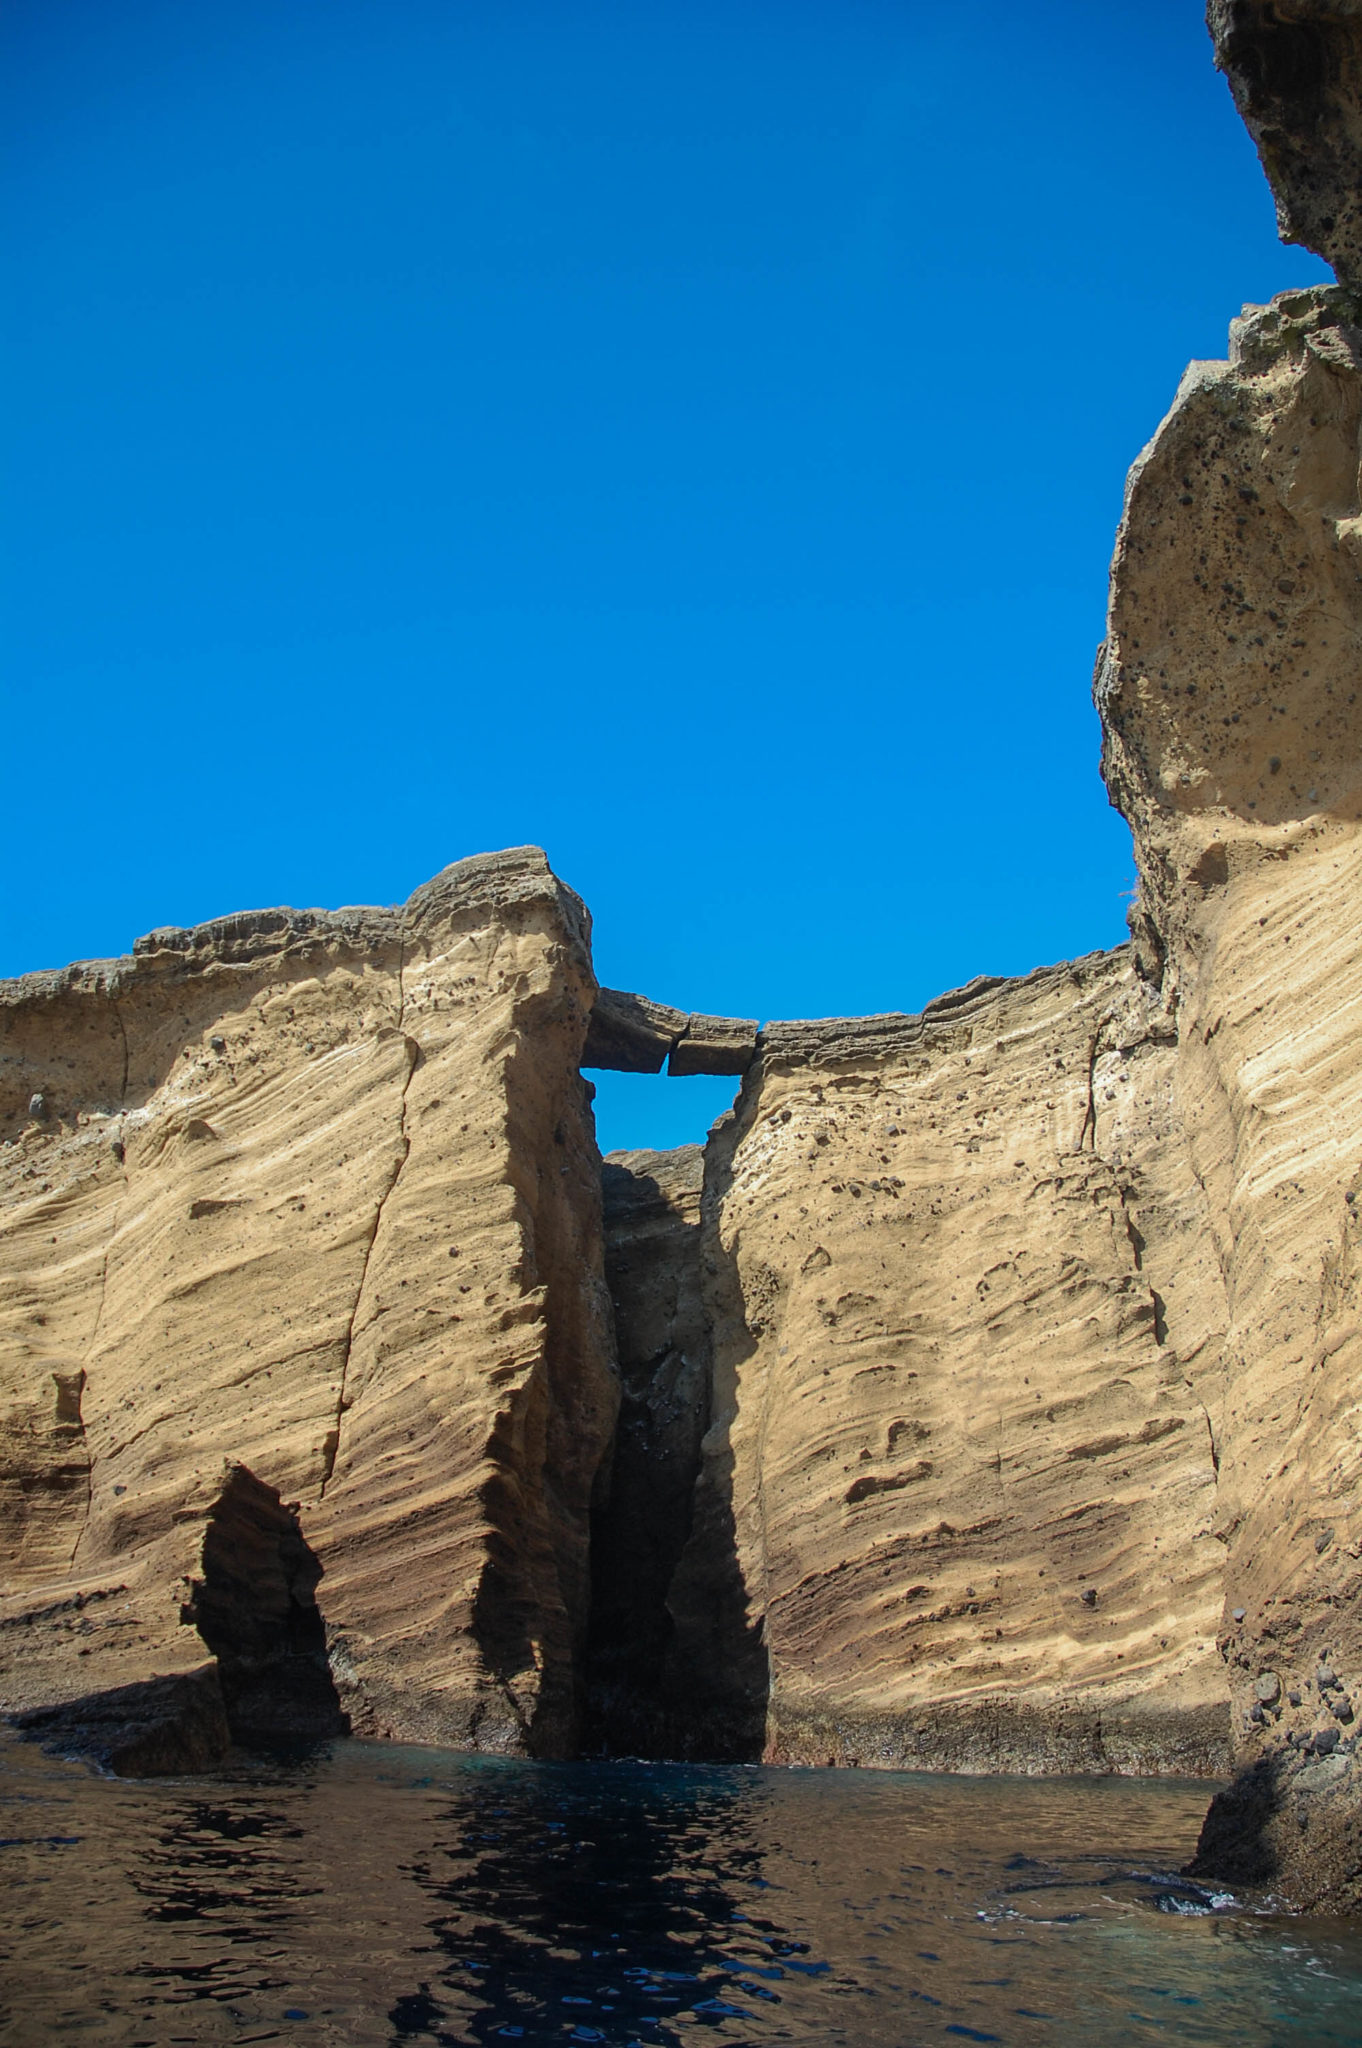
(301, 1209)
(982, 1396)
(957, 1505)
(1229, 693)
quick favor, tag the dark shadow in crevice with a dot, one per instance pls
(641, 1519)
(676, 1667)
(256, 1609)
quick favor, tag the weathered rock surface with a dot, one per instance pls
(987, 1387)
(634, 1035)
(159, 1727)
(1295, 69)
(1229, 694)
(316, 1195)
(958, 1499)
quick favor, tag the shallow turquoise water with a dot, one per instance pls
(394, 1896)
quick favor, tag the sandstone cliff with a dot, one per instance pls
(311, 1197)
(981, 1396)
(1229, 690)
(958, 1498)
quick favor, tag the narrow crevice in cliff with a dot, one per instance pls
(675, 1666)
(716, 1686)
(256, 1609)
(331, 1441)
(1088, 1135)
(641, 1520)
(123, 1035)
(70, 1429)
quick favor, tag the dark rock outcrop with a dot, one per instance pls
(159, 1727)
(633, 1035)
(1295, 69)
(256, 1609)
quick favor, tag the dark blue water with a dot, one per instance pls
(403, 1896)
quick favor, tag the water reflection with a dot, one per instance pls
(389, 1897)
(570, 1904)
(227, 1866)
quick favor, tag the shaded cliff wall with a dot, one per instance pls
(655, 1270)
(958, 1503)
(315, 1193)
(1229, 694)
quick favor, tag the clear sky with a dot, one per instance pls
(686, 434)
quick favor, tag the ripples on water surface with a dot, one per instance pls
(400, 1896)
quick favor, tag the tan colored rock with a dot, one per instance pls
(315, 1195)
(1229, 692)
(631, 1034)
(959, 1493)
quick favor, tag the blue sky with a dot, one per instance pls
(687, 434)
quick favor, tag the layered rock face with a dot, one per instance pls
(1229, 691)
(957, 1502)
(311, 1197)
(982, 1396)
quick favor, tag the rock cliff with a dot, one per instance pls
(1229, 689)
(982, 1396)
(957, 1503)
(310, 1197)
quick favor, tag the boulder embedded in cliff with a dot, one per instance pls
(714, 1045)
(630, 1034)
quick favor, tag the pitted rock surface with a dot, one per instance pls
(1295, 69)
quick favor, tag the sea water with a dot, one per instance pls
(375, 1894)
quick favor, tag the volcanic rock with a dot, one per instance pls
(1228, 689)
(1295, 69)
(347, 1237)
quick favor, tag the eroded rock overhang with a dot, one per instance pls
(631, 1034)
